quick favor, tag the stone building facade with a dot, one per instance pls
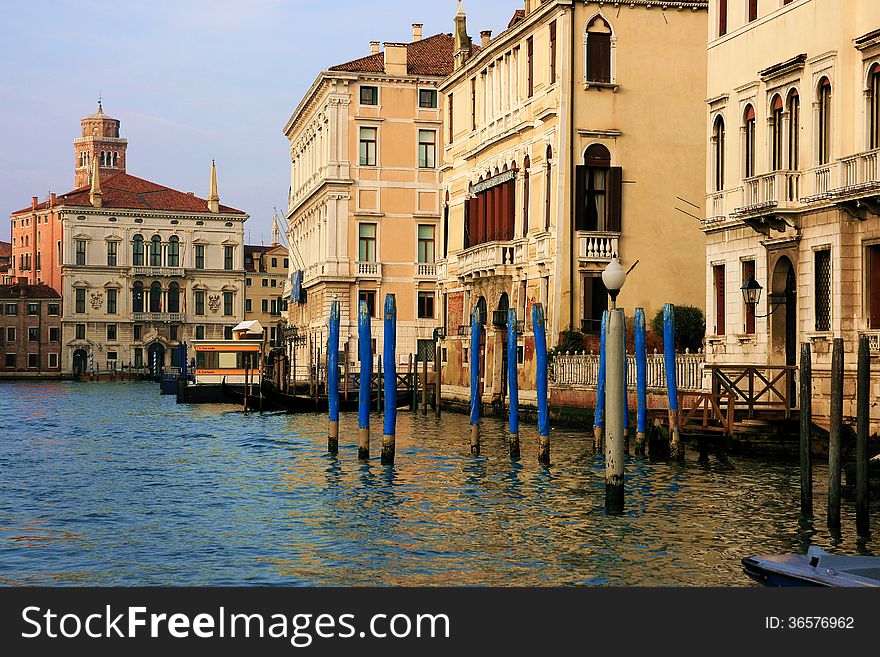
(566, 147)
(30, 332)
(793, 191)
(266, 270)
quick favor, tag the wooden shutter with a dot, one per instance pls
(749, 272)
(718, 271)
(598, 57)
(874, 286)
(615, 194)
(580, 198)
(468, 218)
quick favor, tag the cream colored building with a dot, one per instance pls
(266, 270)
(574, 135)
(793, 184)
(364, 213)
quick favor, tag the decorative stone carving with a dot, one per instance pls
(96, 299)
(214, 302)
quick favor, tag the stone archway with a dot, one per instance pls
(80, 362)
(783, 320)
(156, 364)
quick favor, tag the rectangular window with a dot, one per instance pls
(273, 283)
(156, 251)
(228, 252)
(249, 282)
(200, 303)
(427, 149)
(718, 275)
(112, 355)
(248, 305)
(286, 263)
(264, 282)
(428, 98)
(227, 332)
(80, 303)
(367, 152)
(33, 334)
(473, 103)
(10, 360)
(111, 302)
(722, 17)
(174, 252)
(227, 303)
(823, 290)
(53, 361)
(200, 332)
(274, 307)
(138, 332)
(33, 309)
(367, 242)
(552, 52)
(426, 305)
(530, 67)
(138, 357)
(54, 310)
(54, 334)
(111, 332)
(369, 95)
(426, 243)
(274, 262)
(80, 332)
(200, 256)
(80, 252)
(172, 332)
(33, 361)
(753, 10)
(748, 271)
(370, 297)
(11, 308)
(111, 253)
(264, 305)
(425, 351)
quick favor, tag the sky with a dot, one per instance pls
(190, 81)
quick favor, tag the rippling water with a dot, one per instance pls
(113, 484)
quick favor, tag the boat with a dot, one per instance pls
(815, 568)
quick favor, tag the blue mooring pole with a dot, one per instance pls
(625, 392)
(333, 379)
(675, 447)
(513, 383)
(389, 360)
(599, 422)
(641, 381)
(365, 351)
(476, 329)
(540, 331)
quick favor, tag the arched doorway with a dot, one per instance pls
(80, 362)
(783, 304)
(501, 320)
(156, 354)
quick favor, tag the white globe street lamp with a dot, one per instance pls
(614, 277)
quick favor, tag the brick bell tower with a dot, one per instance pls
(100, 142)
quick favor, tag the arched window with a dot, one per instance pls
(823, 138)
(548, 186)
(776, 133)
(174, 252)
(156, 251)
(114, 158)
(102, 158)
(794, 122)
(156, 297)
(598, 51)
(718, 154)
(173, 298)
(749, 138)
(874, 107)
(137, 251)
(598, 192)
(527, 163)
(137, 297)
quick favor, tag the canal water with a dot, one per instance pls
(113, 484)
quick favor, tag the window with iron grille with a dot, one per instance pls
(823, 290)
(425, 350)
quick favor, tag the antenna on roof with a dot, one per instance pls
(100, 102)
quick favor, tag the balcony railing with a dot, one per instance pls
(486, 259)
(426, 270)
(158, 271)
(157, 317)
(873, 340)
(779, 188)
(370, 269)
(860, 170)
(499, 319)
(583, 370)
(598, 246)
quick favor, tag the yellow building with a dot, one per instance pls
(364, 211)
(574, 135)
(793, 184)
(266, 270)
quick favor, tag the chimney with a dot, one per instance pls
(395, 58)
(462, 47)
(374, 47)
(34, 202)
(486, 36)
(417, 32)
(53, 199)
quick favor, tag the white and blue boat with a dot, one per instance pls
(815, 568)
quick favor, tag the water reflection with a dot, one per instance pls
(113, 484)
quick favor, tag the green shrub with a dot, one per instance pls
(570, 341)
(690, 327)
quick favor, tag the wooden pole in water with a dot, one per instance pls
(512, 383)
(863, 410)
(346, 372)
(333, 380)
(414, 368)
(836, 426)
(247, 362)
(806, 403)
(599, 415)
(641, 381)
(614, 423)
(425, 382)
(437, 372)
(365, 351)
(540, 331)
(390, 357)
(625, 392)
(676, 448)
(293, 365)
(262, 372)
(379, 384)
(476, 328)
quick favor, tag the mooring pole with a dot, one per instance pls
(389, 355)
(641, 381)
(365, 351)
(599, 416)
(293, 365)
(676, 448)
(414, 402)
(625, 392)
(425, 382)
(346, 371)
(512, 383)
(333, 379)
(437, 373)
(863, 410)
(475, 382)
(247, 363)
(834, 433)
(614, 423)
(540, 331)
(806, 404)
(262, 373)
(379, 384)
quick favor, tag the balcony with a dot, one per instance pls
(157, 317)
(597, 246)
(369, 269)
(168, 272)
(779, 190)
(499, 319)
(542, 247)
(873, 340)
(489, 259)
(425, 271)
(860, 172)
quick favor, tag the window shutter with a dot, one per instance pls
(469, 215)
(874, 287)
(598, 57)
(615, 194)
(580, 198)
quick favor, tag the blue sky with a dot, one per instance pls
(190, 80)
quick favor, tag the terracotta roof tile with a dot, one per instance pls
(428, 56)
(38, 291)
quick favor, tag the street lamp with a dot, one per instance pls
(751, 291)
(614, 277)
